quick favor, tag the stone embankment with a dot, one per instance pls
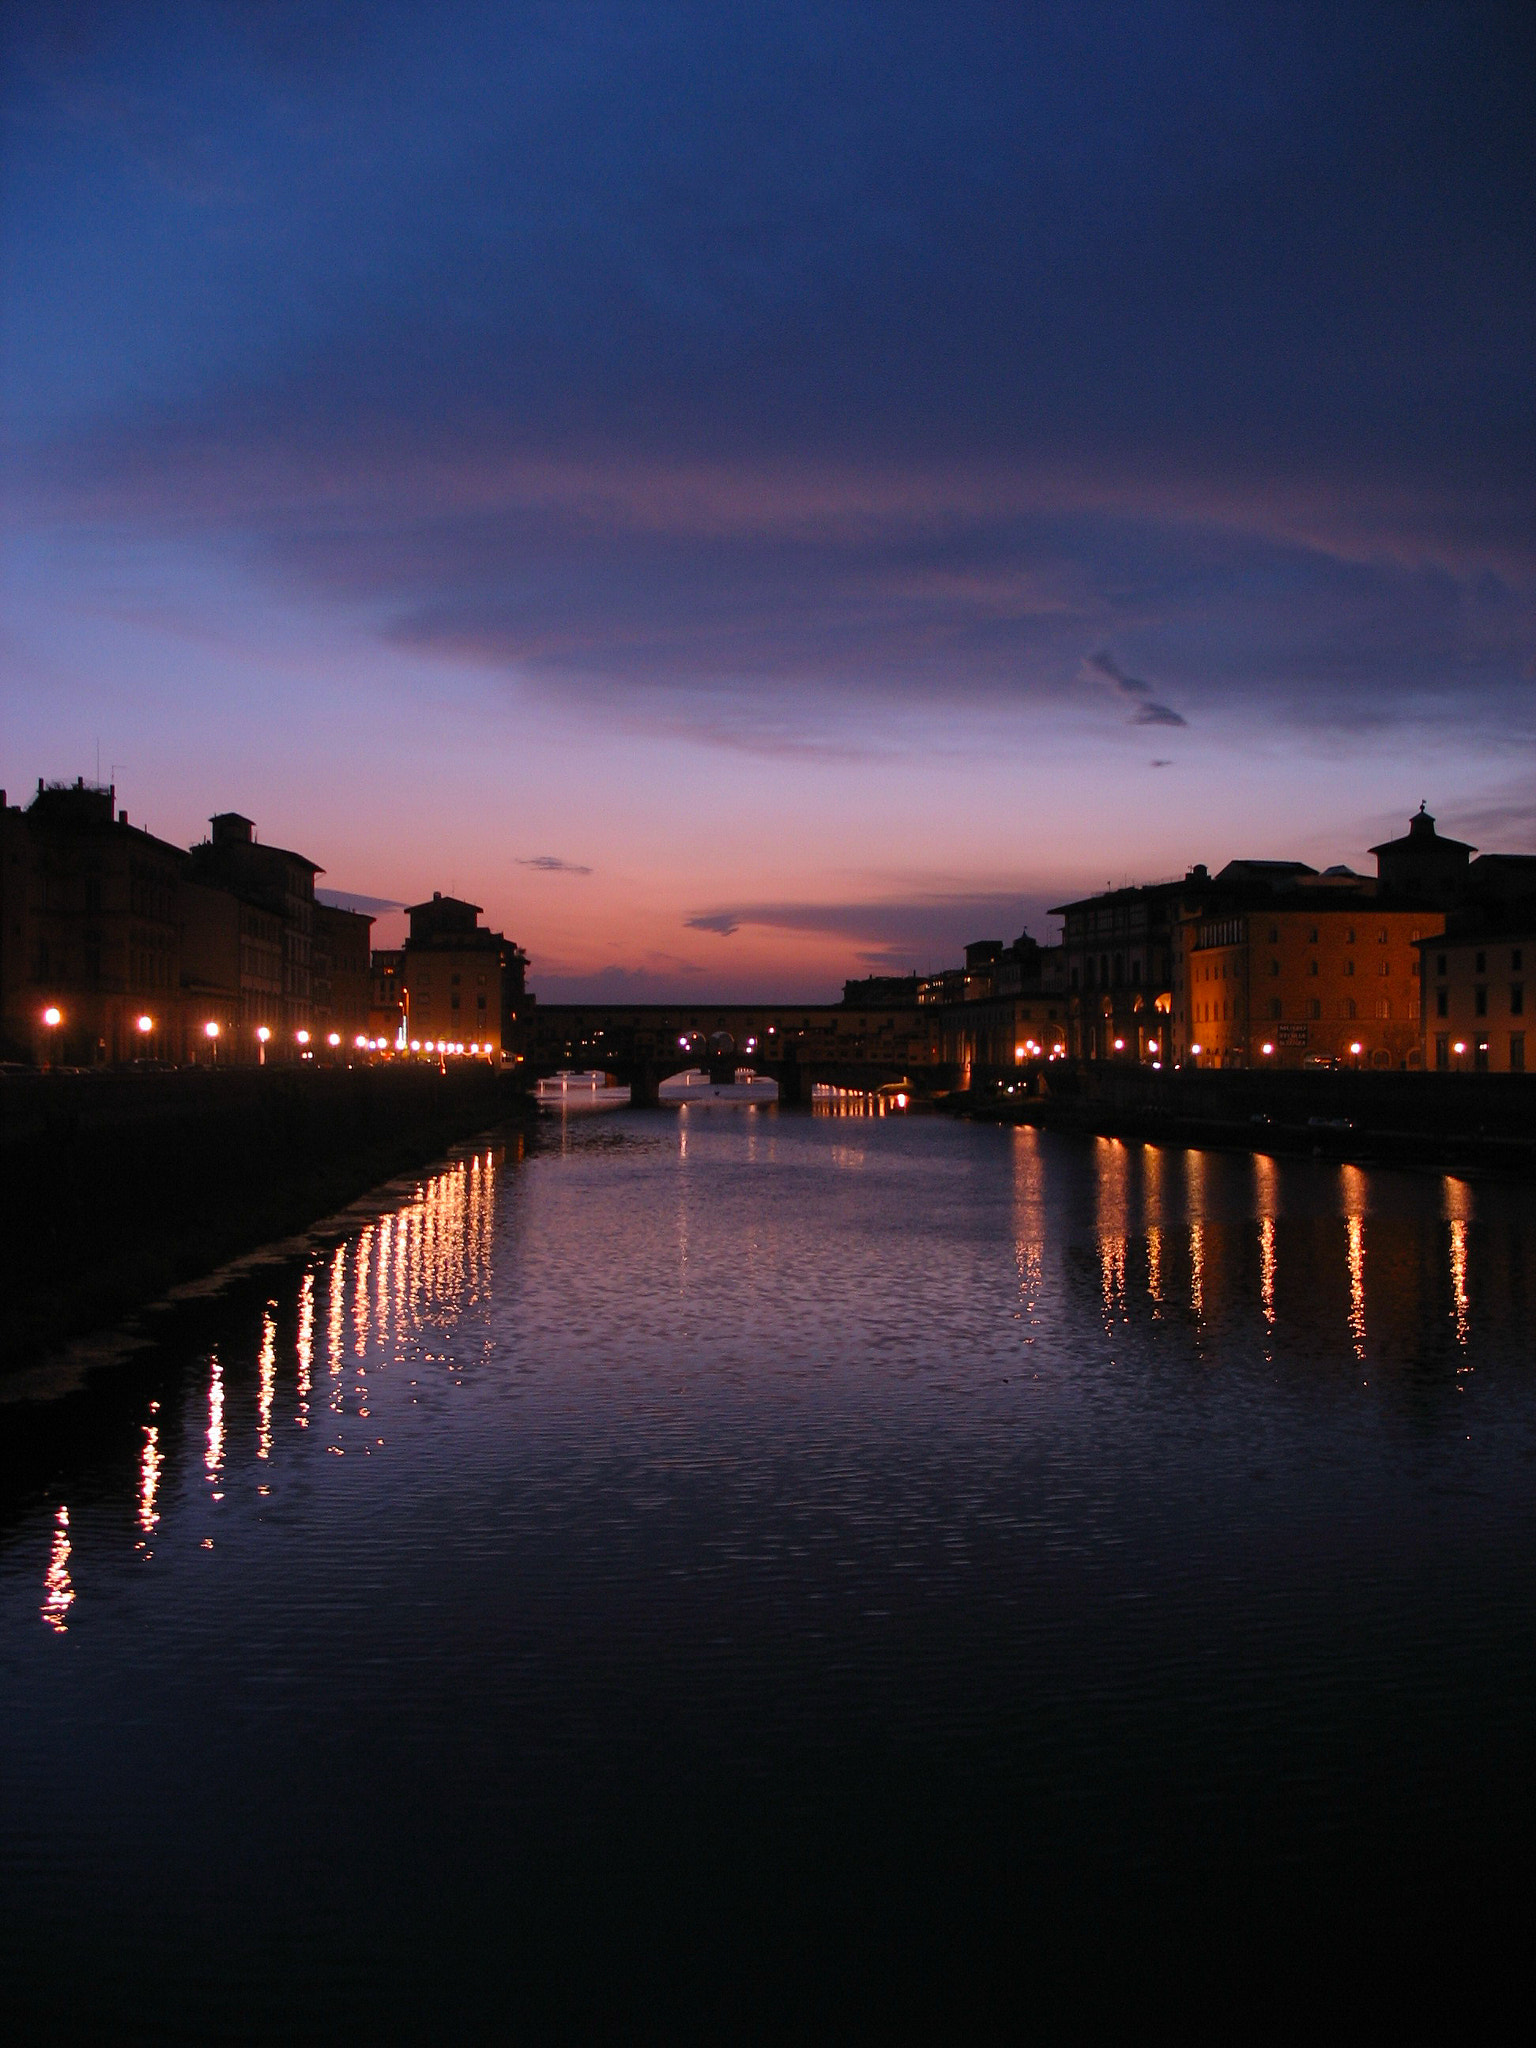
(1446, 1122)
(120, 1186)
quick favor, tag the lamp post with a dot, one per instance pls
(53, 1017)
(211, 1033)
(263, 1033)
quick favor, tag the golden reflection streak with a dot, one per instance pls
(58, 1587)
(306, 1342)
(1461, 1306)
(213, 1457)
(1355, 1226)
(150, 1461)
(1267, 1201)
(1197, 1269)
(1155, 1264)
(1028, 1217)
(360, 1293)
(381, 1287)
(1112, 1204)
(266, 1384)
(336, 1317)
(402, 1266)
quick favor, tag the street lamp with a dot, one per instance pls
(1266, 1048)
(262, 1035)
(53, 1017)
(302, 1037)
(211, 1033)
(334, 1038)
(145, 1026)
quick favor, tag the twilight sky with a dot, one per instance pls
(758, 493)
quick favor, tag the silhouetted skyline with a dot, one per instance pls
(750, 494)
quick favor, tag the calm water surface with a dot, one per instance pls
(725, 1575)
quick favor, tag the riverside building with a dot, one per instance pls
(459, 985)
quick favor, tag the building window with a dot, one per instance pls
(1479, 1002)
(479, 1002)
(1349, 935)
(1312, 935)
(1274, 1006)
(1439, 963)
(1442, 1051)
(1384, 1006)
(1382, 936)
(1442, 1003)
(1517, 1052)
(1311, 967)
(1274, 935)
(1349, 1007)
(1386, 966)
(1314, 1007)
(1349, 966)
(1481, 965)
(1517, 999)
(1274, 966)
(1516, 962)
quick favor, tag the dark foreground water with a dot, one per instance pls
(756, 1575)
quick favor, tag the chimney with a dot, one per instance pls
(122, 816)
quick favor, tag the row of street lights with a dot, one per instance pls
(213, 1032)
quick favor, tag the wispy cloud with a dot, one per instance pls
(549, 864)
(910, 931)
(1135, 692)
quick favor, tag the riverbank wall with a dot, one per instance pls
(1449, 1122)
(119, 1186)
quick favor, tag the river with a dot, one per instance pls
(721, 1569)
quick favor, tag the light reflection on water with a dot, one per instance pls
(773, 1430)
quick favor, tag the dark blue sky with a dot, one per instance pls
(819, 411)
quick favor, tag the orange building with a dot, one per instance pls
(1312, 976)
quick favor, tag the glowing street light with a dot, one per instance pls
(362, 1043)
(302, 1037)
(1356, 1047)
(262, 1035)
(1197, 1050)
(144, 1026)
(1266, 1048)
(210, 1029)
(53, 1017)
(334, 1038)
(1151, 1045)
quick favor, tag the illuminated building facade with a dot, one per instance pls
(1117, 967)
(461, 985)
(1303, 976)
